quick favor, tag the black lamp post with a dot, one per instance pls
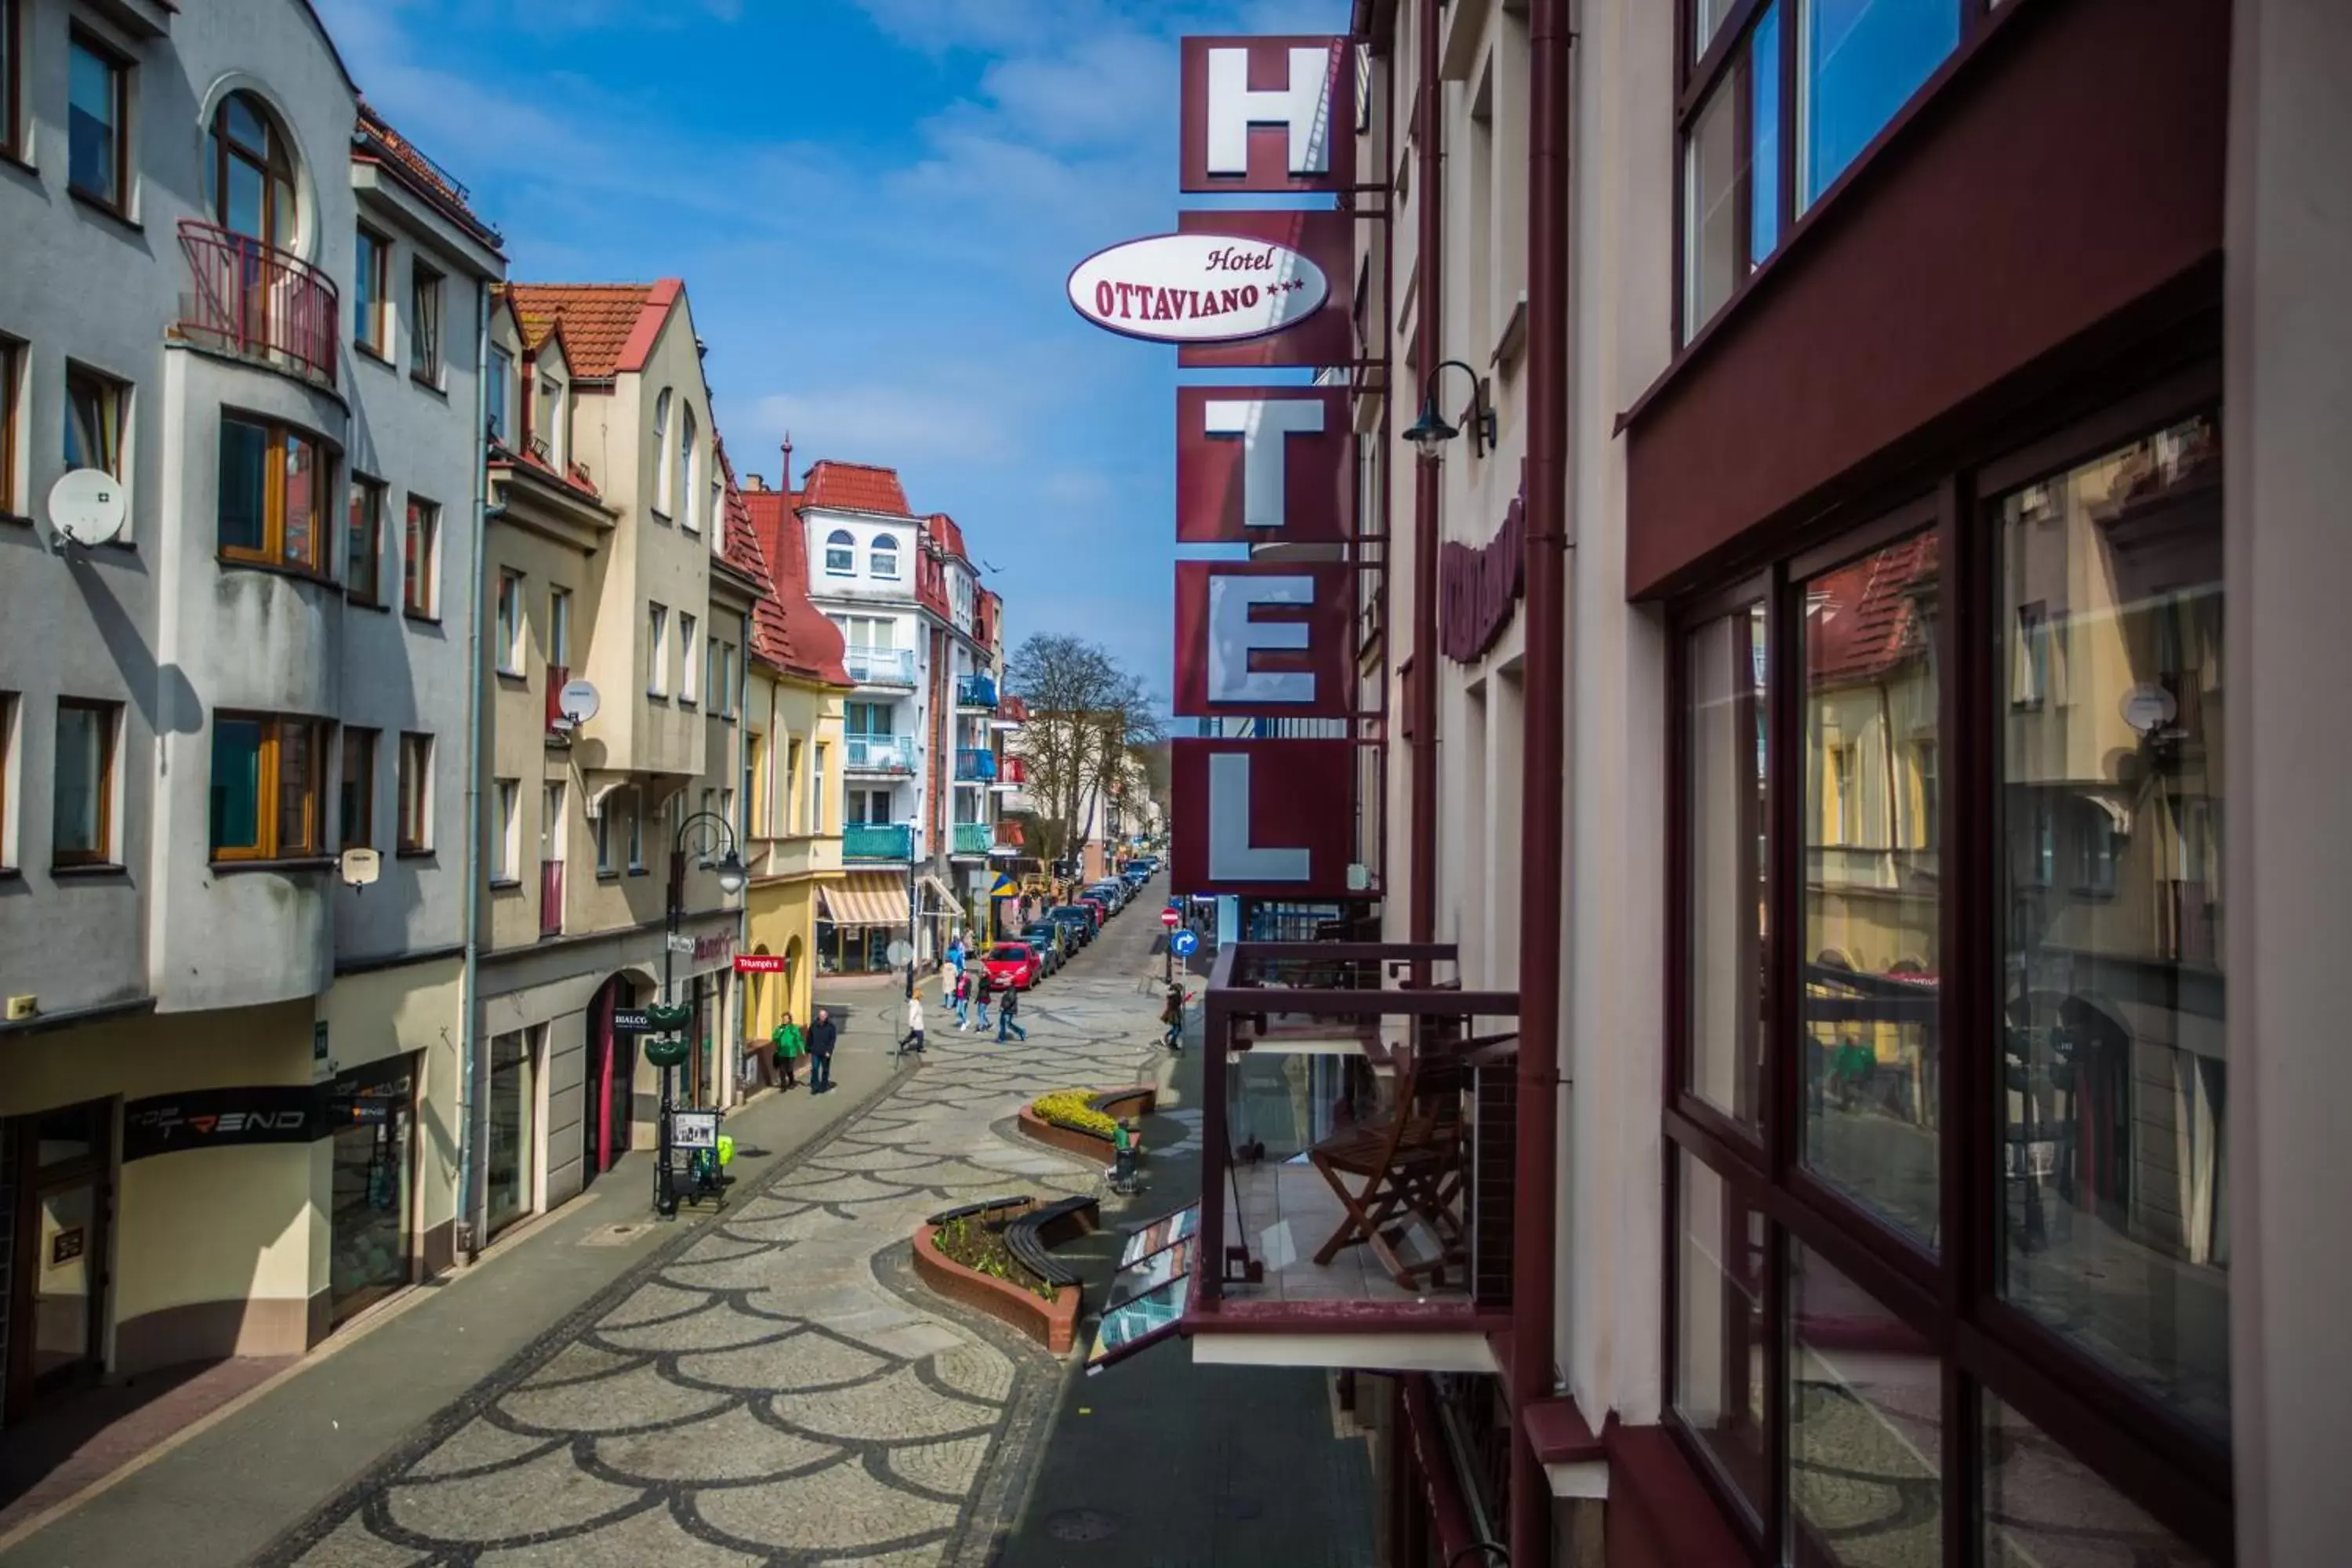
(713, 836)
(1429, 433)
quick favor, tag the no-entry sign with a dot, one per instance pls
(1168, 918)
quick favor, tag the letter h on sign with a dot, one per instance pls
(1268, 114)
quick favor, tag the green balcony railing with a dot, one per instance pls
(878, 841)
(974, 837)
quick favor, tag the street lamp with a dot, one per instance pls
(712, 834)
(1429, 433)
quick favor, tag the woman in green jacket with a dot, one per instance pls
(790, 1043)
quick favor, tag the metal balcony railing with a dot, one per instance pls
(976, 691)
(1012, 773)
(879, 755)
(878, 841)
(880, 666)
(975, 766)
(257, 303)
(974, 837)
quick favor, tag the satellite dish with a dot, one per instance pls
(901, 954)
(361, 867)
(577, 702)
(86, 505)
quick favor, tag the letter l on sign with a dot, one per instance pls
(1232, 856)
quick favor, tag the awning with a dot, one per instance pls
(865, 899)
(939, 899)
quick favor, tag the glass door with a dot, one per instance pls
(372, 1114)
(61, 1257)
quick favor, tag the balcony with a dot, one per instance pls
(1391, 1239)
(976, 691)
(878, 841)
(879, 755)
(974, 837)
(257, 303)
(1012, 773)
(551, 898)
(880, 666)
(973, 766)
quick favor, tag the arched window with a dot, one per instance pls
(885, 555)
(840, 554)
(663, 500)
(689, 470)
(251, 172)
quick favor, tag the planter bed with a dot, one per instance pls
(1118, 1104)
(1052, 1321)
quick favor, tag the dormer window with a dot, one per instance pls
(884, 557)
(840, 554)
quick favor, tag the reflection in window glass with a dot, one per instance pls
(1711, 216)
(1728, 910)
(2045, 1509)
(1709, 16)
(2116, 1220)
(1859, 62)
(1865, 1427)
(1872, 926)
(1719, 1367)
(1764, 171)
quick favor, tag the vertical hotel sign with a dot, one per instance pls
(1256, 465)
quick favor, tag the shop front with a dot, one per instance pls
(57, 1183)
(860, 916)
(369, 1122)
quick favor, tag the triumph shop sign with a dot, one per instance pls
(1257, 640)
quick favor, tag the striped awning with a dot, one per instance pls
(865, 899)
(939, 899)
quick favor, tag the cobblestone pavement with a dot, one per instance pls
(777, 1389)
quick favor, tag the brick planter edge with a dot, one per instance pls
(1054, 1325)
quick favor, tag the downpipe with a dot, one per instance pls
(1421, 697)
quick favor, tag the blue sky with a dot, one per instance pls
(874, 204)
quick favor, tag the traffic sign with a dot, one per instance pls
(1184, 942)
(1168, 918)
(694, 1130)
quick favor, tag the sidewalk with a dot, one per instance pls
(229, 1483)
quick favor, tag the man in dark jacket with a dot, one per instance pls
(821, 1035)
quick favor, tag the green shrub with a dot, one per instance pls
(982, 1250)
(1074, 1109)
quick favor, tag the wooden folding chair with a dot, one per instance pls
(1407, 1165)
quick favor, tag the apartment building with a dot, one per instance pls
(253, 308)
(1904, 454)
(613, 570)
(923, 650)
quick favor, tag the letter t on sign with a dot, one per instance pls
(1265, 427)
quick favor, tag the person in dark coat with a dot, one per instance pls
(822, 1037)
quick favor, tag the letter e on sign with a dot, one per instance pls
(1266, 465)
(1263, 639)
(1268, 114)
(1264, 818)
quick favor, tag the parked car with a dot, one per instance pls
(1112, 891)
(1012, 966)
(1052, 944)
(1096, 907)
(1079, 922)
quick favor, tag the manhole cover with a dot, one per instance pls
(1081, 1524)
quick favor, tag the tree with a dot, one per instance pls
(1086, 717)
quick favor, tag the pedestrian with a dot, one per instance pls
(963, 1000)
(914, 1041)
(980, 987)
(1172, 1016)
(1004, 1017)
(789, 1042)
(821, 1037)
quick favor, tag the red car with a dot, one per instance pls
(1101, 907)
(1012, 966)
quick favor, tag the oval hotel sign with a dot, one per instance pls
(1198, 289)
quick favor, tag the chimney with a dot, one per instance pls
(754, 482)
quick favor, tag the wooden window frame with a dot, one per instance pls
(279, 439)
(420, 559)
(270, 842)
(414, 835)
(1985, 1346)
(373, 274)
(374, 494)
(358, 834)
(116, 393)
(276, 160)
(110, 733)
(121, 65)
(13, 359)
(428, 310)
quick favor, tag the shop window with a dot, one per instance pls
(415, 833)
(371, 1118)
(268, 787)
(82, 803)
(1721, 1371)
(1865, 1397)
(363, 550)
(272, 495)
(514, 1120)
(358, 788)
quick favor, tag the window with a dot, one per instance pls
(498, 391)
(1858, 63)
(727, 806)
(1946, 1131)
(786, 805)
(420, 560)
(371, 291)
(840, 553)
(12, 57)
(636, 825)
(664, 464)
(97, 104)
(687, 682)
(605, 863)
(357, 789)
(505, 851)
(424, 323)
(272, 491)
(509, 632)
(657, 650)
(269, 788)
(883, 556)
(718, 515)
(1731, 175)
(8, 747)
(549, 423)
(12, 365)
(82, 806)
(251, 172)
(689, 470)
(816, 790)
(363, 569)
(559, 627)
(415, 834)
(94, 409)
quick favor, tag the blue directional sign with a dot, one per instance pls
(1184, 943)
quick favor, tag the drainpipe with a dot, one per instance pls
(1420, 700)
(473, 1087)
(1545, 771)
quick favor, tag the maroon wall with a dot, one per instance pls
(2072, 165)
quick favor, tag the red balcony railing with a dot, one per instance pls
(551, 898)
(557, 676)
(259, 302)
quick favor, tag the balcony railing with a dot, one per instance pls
(880, 666)
(259, 302)
(551, 898)
(1012, 773)
(975, 766)
(878, 841)
(976, 691)
(879, 755)
(974, 837)
(557, 675)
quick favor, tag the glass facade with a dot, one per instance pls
(371, 1120)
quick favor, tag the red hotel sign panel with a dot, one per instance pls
(1263, 465)
(1326, 338)
(1263, 639)
(1262, 818)
(1268, 114)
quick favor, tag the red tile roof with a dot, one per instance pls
(948, 536)
(608, 328)
(382, 145)
(797, 639)
(853, 487)
(1865, 618)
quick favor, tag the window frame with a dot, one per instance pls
(359, 834)
(664, 471)
(559, 627)
(505, 863)
(413, 832)
(115, 392)
(109, 731)
(275, 159)
(428, 300)
(689, 686)
(689, 470)
(420, 562)
(371, 285)
(12, 86)
(1988, 1348)
(279, 439)
(270, 842)
(13, 360)
(120, 66)
(876, 549)
(373, 493)
(510, 621)
(841, 539)
(658, 650)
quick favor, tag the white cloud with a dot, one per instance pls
(891, 423)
